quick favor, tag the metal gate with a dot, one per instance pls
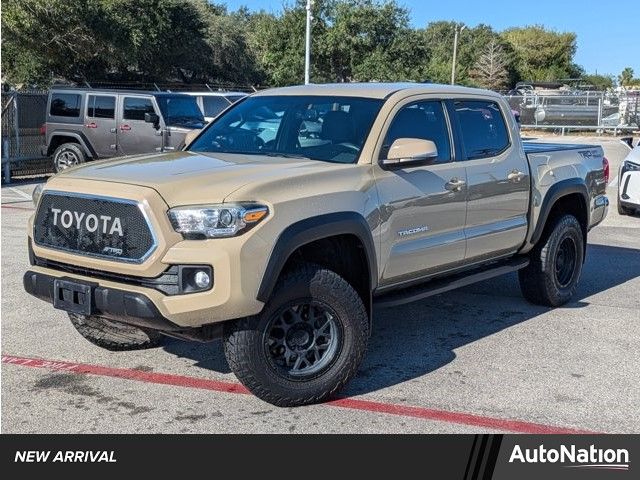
(23, 113)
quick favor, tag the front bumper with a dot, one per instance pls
(126, 307)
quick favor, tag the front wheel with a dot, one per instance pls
(306, 344)
(112, 335)
(551, 278)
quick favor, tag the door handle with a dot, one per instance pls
(455, 184)
(91, 125)
(515, 176)
(113, 130)
(124, 127)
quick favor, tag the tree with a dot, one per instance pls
(626, 77)
(147, 40)
(490, 70)
(542, 54)
(600, 82)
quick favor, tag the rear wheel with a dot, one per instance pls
(556, 263)
(114, 336)
(67, 155)
(306, 344)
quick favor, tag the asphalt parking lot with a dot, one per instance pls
(479, 359)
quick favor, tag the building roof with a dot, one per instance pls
(370, 90)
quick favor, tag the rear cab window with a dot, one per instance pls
(483, 128)
(65, 105)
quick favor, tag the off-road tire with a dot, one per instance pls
(539, 281)
(245, 340)
(72, 150)
(114, 336)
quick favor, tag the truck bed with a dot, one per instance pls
(540, 147)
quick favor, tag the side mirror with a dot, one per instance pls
(408, 151)
(152, 118)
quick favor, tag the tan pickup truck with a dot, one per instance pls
(298, 212)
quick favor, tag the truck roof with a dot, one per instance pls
(371, 89)
(114, 91)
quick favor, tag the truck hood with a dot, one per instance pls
(189, 178)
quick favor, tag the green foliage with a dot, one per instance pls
(601, 82)
(542, 54)
(151, 40)
(626, 78)
(196, 41)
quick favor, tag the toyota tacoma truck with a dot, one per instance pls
(298, 212)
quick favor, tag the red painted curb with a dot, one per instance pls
(350, 403)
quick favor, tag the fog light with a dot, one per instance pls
(195, 278)
(202, 279)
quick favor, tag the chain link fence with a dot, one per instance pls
(23, 113)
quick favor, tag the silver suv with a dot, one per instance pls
(89, 124)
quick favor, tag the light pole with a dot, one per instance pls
(307, 44)
(455, 53)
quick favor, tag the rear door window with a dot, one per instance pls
(99, 106)
(134, 108)
(424, 120)
(65, 105)
(484, 131)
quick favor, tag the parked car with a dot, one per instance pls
(212, 103)
(88, 124)
(629, 183)
(284, 244)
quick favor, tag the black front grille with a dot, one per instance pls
(94, 226)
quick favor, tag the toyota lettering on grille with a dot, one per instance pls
(94, 226)
(109, 225)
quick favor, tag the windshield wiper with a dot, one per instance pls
(185, 119)
(284, 155)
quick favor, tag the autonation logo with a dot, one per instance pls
(573, 457)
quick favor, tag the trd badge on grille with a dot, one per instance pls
(112, 251)
(106, 224)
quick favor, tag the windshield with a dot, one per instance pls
(325, 128)
(180, 111)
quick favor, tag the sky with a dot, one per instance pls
(607, 32)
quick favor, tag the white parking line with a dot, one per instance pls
(20, 193)
(614, 182)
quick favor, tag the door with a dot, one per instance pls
(100, 124)
(134, 134)
(498, 179)
(422, 207)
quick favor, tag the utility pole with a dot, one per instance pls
(307, 47)
(455, 53)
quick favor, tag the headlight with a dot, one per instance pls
(215, 221)
(629, 166)
(36, 194)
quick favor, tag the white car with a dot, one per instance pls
(212, 103)
(629, 183)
